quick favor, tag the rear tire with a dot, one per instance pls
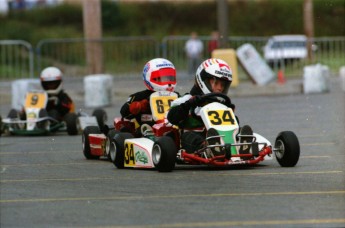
(117, 149)
(164, 154)
(287, 149)
(101, 117)
(71, 120)
(86, 143)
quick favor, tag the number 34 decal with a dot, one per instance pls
(221, 117)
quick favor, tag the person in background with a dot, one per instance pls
(193, 48)
(213, 43)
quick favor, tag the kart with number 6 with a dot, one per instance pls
(125, 144)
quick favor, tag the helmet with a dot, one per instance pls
(51, 80)
(211, 72)
(159, 75)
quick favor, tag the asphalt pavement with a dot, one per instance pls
(123, 86)
(47, 182)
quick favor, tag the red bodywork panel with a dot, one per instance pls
(97, 144)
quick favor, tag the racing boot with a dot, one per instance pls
(247, 137)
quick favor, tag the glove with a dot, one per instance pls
(139, 106)
(194, 101)
(232, 106)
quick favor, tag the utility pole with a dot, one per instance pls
(309, 25)
(222, 18)
(92, 32)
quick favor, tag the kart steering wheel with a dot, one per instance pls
(214, 97)
(217, 97)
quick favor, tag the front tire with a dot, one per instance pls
(86, 143)
(164, 154)
(287, 149)
(71, 120)
(117, 149)
(110, 136)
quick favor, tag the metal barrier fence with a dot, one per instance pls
(16, 59)
(121, 55)
(127, 55)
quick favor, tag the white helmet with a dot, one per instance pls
(159, 75)
(51, 80)
(213, 69)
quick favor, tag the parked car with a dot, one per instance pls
(285, 48)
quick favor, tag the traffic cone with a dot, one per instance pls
(281, 78)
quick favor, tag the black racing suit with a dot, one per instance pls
(138, 96)
(59, 105)
(181, 116)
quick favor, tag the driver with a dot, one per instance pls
(59, 103)
(159, 75)
(212, 76)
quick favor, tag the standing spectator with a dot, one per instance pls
(194, 48)
(213, 43)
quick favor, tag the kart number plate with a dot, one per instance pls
(221, 117)
(135, 155)
(36, 100)
(161, 106)
(160, 103)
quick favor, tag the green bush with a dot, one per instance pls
(159, 19)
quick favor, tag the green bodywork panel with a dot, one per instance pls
(229, 138)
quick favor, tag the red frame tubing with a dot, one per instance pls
(222, 161)
(119, 123)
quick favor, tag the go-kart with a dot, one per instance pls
(160, 146)
(35, 120)
(224, 144)
(109, 142)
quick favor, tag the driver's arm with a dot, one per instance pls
(179, 110)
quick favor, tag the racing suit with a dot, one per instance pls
(137, 107)
(61, 103)
(193, 129)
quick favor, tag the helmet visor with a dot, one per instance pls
(215, 84)
(164, 76)
(218, 85)
(50, 85)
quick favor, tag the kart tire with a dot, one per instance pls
(101, 117)
(54, 114)
(71, 120)
(164, 154)
(108, 146)
(117, 149)
(14, 114)
(1, 130)
(44, 123)
(86, 143)
(287, 149)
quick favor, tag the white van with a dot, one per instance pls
(285, 47)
